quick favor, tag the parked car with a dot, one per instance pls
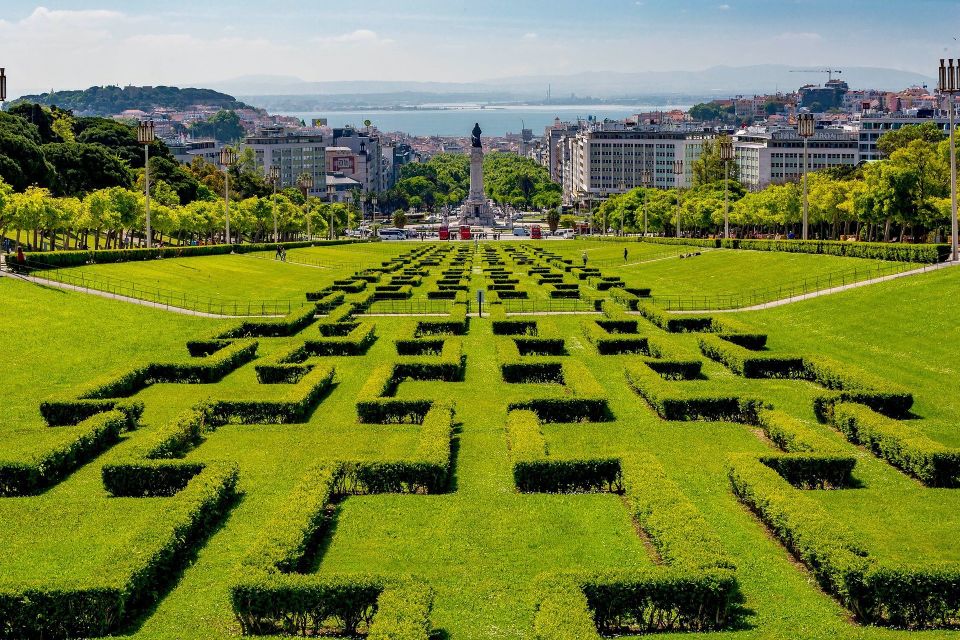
(521, 232)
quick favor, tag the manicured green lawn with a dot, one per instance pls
(481, 544)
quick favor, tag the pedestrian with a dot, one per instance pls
(584, 256)
(624, 255)
(279, 252)
(21, 261)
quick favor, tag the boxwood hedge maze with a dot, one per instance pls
(574, 463)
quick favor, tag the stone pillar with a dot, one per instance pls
(476, 175)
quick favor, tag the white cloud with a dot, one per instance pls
(530, 36)
(360, 36)
(724, 7)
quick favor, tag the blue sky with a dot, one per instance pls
(72, 44)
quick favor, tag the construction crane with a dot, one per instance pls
(829, 72)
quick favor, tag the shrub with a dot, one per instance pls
(296, 407)
(561, 611)
(93, 436)
(831, 551)
(376, 406)
(672, 403)
(675, 526)
(899, 444)
(608, 343)
(750, 364)
(791, 435)
(854, 385)
(288, 325)
(537, 346)
(534, 471)
(813, 471)
(675, 323)
(403, 613)
(93, 611)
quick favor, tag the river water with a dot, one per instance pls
(456, 120)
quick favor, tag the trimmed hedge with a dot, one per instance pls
(673, 403)
(791, 435)
(898, 252)
(900, 444)
(104, 256)
(93, 436)
(535, 471)
(813, 470)
(456, 324)
(675, 323)
(375, 404)
(583, 399)
(905, 596)
(99, 610)
(830, 550)
(682, 537)
(290, 324)
(851, 384)
(608, 343)
(648, 601)
(750, 364)
(295, 407)
(537, 346)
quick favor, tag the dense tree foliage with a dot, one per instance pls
(111, 100)
(710, 111)
(223, 126)
(445, 180)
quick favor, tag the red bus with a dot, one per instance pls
(535, 233)
(465, 232)
(444, 232)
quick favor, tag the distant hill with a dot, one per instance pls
(672, 86)
(105, 101)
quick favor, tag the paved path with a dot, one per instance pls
(113, 296)
(830, 291)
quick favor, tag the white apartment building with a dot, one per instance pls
(870, 126)
(604, 161)
(295, 152)
(775, 156)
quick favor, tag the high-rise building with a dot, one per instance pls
(296, 152)
(608, 159)
(767, 156)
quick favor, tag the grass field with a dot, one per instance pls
(480, 544)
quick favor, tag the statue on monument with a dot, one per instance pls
(476, 135)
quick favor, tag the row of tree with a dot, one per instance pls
(905, 196)
(115, 217)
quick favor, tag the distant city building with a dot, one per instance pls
(367, 149)
(829, 96)
(775, 156)
(185, 151)
(296, 152)
(609, 159)
(340, 188)
(871, 125)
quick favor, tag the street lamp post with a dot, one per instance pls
(228, 156)
(145, 136)
(373, 201)
(726, 155)
(3, 87)
(623, 190)
(305, 182)
(645, 181)
(275, 181)
(805, 128)
(950, 85)
(678, 172)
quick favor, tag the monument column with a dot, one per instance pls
(475, 209)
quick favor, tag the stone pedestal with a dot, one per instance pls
(475, 209)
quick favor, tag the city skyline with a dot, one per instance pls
(70, 45)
